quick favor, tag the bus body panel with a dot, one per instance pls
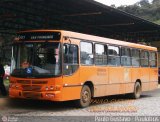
(71, 86)
(153, 78)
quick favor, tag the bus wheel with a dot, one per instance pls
(85, 97)
(137, 91)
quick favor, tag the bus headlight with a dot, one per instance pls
(50, 95)
(47, 88)
(52, 88)
(13, 86)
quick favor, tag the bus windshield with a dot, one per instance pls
(36, 59)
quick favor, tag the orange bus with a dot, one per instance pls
(59, 65)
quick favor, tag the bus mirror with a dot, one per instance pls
(65, 49)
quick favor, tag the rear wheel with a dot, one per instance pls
(137, 91)
(85, 97)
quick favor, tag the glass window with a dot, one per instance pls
(86, 53)
(125, 57)
(37, 60)
(153, 59)
(70, 57)
(144, 59)
(113, 56)
(70, 54)
(135, 57)
(100, 54)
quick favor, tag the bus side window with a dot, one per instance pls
(113, 55)
(144, 59)
(125, 56)
(153, 59)
(86, 53)
(70, 58)
(100, 54)
(135, 57)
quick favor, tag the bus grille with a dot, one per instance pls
(39, 82)
(24, 81)
(31, 88)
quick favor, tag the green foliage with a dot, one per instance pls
(157, 22)
(144, 9)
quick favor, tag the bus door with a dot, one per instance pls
(70, 68)
(153, 70)
(126, 63)
(115, 70)
(145, 70)
(101, 70)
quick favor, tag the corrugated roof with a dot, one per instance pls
(84, 16)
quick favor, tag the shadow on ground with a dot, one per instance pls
(28, 104)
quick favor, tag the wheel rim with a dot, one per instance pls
(138, 90)
(85, 96)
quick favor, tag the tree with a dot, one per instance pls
(144, 3)
(144, 9)
(113, 6)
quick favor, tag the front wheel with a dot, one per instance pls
(85, 97)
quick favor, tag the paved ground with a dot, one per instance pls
(147, 105)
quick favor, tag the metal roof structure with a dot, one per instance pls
(84, 16)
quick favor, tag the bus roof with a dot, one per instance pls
(97, 39)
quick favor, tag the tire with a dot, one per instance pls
(137, 91)
(85, 97)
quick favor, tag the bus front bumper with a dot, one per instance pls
(41, 95)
